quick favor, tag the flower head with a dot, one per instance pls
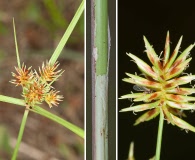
(36, 88)
(160, 87)
(52, 98)
(23, 75)
(48, 72)
(34, 92)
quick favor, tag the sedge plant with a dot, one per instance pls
(37, 85)
(160, 88)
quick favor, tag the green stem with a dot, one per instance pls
(101, 35)
(159, 138)
(20, 134)
(100, 75)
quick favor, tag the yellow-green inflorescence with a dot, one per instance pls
(37, 86)
(160, 87)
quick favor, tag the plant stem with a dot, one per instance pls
(101, 36)
(100, 79)
(159, 138)
(20, 134)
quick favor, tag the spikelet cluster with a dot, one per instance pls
(160, 87)
(37, 86)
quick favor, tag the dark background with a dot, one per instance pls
(152, 19)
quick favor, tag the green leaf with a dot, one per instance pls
(59, 120)
(67, 33)
(16, 45)
(44, 113)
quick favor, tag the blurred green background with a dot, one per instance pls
(39, 26)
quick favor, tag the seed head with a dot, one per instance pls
(52, 98)
(36, 88)
(162, 85)
(23, 76)
(48, 72)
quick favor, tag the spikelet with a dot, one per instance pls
(48, 72)
(36, 88)
(160, 86)
(52, 98)
(23, 75)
